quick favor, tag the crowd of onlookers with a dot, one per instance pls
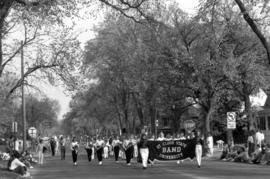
(255, 151)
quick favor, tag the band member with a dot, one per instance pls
(116, 148)
(53, 145)
(74, 150)
(106, 149)
(63, 147)
(128, 148)
(144, 150)
(88, 148)
(99, 145)
(198, 148)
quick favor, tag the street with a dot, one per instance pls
(55, 168)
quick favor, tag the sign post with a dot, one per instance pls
(32, 131)
(14, 130)
(189, 125)
(156, 127)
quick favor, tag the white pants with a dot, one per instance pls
(144, 154)
(40, 157)
(135, 151)
(198, 152)
(106, 152)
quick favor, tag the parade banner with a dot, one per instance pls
(171, 150)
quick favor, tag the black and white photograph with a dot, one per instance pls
(134, 89)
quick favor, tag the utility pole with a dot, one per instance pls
(23, 99)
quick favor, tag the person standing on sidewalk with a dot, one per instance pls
(40, 150)
(88, 148)
(198, 149)
(144, 150)
(74, 150)
(62, 147)
(53, 145)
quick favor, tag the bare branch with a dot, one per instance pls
(254, 27)
(27, 73)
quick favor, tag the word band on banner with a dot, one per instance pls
(231, 120)
(171, 150)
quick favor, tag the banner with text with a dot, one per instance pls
(171, 150)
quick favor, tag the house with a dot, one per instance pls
(263, 119)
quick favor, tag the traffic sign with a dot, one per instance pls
(189, 125)
(231, 120)
(32, 131)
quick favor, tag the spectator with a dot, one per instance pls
(40, 150)
(242, 155)
(251, 143)
(259, 138)
(16, 166)
(161, 136)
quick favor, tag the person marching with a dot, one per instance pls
(74, 149)
(88, 148)
(198, 148)
(99, 145)
(62, 143)
(116, 148)
(144, 150)
(128, 147)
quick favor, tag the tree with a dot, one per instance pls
(39, 22)
(253, 25)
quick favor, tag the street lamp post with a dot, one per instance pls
(23, 99)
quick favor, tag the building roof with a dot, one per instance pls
(267, 102)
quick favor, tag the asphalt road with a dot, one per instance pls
(57, 169)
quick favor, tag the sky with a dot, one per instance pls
(84, 27)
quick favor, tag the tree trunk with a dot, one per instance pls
(152, 118)
(208, 120)
(139, 110)
(250, 120)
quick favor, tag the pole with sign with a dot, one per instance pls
(231, 125)
(231, 120)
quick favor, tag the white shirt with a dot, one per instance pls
(116, 142)
(99, 143)
(73, 144)
(16, 163)
(259, 138)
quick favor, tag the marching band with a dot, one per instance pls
(127, 147)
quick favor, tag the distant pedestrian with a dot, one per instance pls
(88, 148)
(144, 150)
(62, 143)
(53, 145)
(129, 149)
(116, 143)
(251, 143)
(198, 148)
(99, 147)
(40, 150)
(74, 150)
